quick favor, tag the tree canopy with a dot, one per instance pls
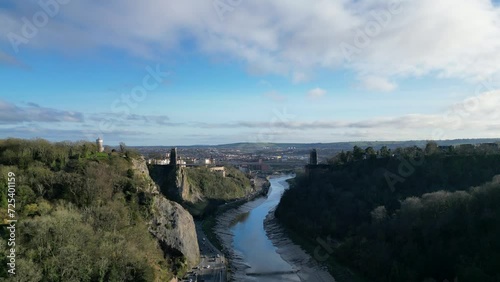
(430, 226)
(82, 215)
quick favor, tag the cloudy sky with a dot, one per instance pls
(163, 72)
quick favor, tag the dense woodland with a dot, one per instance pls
(83, 216)
(413, 214)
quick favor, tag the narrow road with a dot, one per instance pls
(212, 266)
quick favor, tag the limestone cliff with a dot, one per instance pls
(199, 189)
(171, 224)
(174, 228)
(174, 184)
(141, 170)
(187, 192)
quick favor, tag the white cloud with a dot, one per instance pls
(447, 38)
(473, 117)
(316, 93)
(377, 83)
(14, 114)
(299, 77)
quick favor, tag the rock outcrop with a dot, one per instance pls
(187, 192)
(141, 170)
(171, 224)
(174, 227)
(174, 183)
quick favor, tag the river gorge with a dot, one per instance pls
(258, 249)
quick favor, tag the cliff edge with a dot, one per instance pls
(171, 224)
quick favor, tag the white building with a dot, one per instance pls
(100, 147)
(219, 169)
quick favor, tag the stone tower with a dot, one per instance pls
(313, 157)
(100, 147)
(173, 156)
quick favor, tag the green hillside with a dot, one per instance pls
(82, 215)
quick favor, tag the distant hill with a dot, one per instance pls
(333, 145)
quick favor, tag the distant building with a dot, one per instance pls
(205, 161)
(219, 169)
(181, 163)
(159, 161)
(100, 145)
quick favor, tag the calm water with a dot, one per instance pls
(252, 243)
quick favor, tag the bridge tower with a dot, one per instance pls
(313, 157)
(173, 156)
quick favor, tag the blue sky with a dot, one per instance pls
(216, 71)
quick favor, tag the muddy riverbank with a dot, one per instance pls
(257, 247)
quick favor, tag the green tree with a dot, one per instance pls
(433, 226)
(385, 152)
(431, 148)
(358, 153)
(370, 153)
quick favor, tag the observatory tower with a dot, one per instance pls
(99, 142)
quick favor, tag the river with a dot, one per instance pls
(258, 248)
(252, 244)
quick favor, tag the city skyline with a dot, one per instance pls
(170, 73)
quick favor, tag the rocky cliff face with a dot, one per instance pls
(174, 184)
(171, 224)
(174, 228)
(141, 170)
(186, 191)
